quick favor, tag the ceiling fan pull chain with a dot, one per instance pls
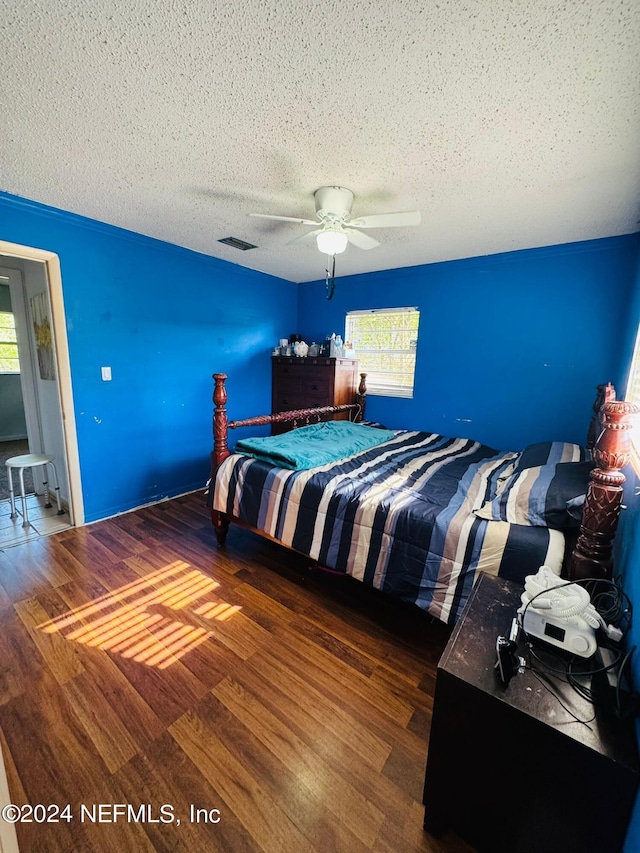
(330, 281)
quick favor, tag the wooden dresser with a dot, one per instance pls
(300, 383)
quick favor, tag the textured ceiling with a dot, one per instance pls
(508, 123)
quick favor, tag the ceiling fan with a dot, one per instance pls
(334, 226)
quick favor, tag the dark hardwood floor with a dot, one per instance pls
(245, 703)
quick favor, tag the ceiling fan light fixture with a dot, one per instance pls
(332, 242)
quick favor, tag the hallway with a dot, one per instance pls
(42, 521)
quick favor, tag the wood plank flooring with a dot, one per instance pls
(231, 698)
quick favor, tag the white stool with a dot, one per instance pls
(31, 460)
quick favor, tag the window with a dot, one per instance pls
(633, 384)
(9, 362)
(385, 341)
(633, 396)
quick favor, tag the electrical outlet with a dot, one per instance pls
(106, 374)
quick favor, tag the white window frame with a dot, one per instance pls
(633, 383)
(382, 384)
(632, 395)
(5, 370)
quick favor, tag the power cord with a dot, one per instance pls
(573, 676)
(539, 678)
(558, 674)
(611, 609)
(613, 604)
(634, 708)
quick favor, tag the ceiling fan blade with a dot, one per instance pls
(362, 241)
(309, 237)
(387, 220)
(286, 218)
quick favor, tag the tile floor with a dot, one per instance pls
(42, 521)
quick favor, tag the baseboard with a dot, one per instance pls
(13, 437)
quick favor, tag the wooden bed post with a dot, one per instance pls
(220, 449)
(606, 394)
(220, 446)
(361, 397)
(221, 426)
(591, 557)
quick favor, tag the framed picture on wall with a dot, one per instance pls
(43, 336)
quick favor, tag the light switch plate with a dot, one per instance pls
(106, 374)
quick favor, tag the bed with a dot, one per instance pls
(419, 515)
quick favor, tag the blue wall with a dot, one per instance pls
(164, 319)
(510, 347)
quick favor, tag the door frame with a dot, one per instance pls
(65, 390)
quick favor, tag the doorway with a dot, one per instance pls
(45, 373)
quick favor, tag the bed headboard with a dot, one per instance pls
(611, 451)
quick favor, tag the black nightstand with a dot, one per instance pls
(508, 768)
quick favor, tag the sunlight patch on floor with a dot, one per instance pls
(153, 621)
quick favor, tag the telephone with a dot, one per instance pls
(559, 612)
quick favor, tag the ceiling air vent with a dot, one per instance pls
(237, 244)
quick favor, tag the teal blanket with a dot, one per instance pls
(315, 445)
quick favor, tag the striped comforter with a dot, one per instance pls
(398, 517)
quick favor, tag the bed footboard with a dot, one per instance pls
(297, 417)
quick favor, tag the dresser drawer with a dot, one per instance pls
(316, 387)
(290, 400)
(290, 385)
(302, 395)
(291, 372)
